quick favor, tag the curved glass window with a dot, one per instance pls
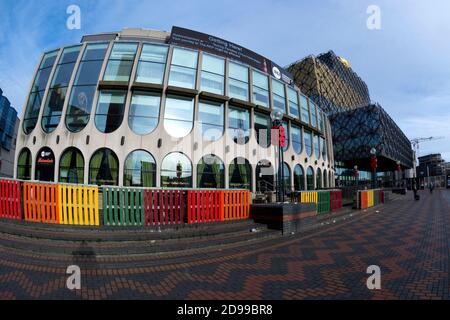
(296, 139)
(305, 109)
(178, 115)
(316, 146)
(286, 132)
(308, 143)
(321, 120)
(183, 70)
(239, 124)
(293, 103)
(299, 178)
(260, 89)
(110, 109)
(104, 168)
(144, 112)
(210, 119)
(313, 114)
(310, 178)
(210, 173)
(139, 170)
(286, 177)
(264, 176)
(176, 171)
(240, 174)
(45, 165)
(24, 165)
(279, 96)
(323, 146)
(58, 89)
(213, 72)
(319, 179)
(325, 179)
(238, 81)
(120, 62)
(71, 166)
(85, 87)
(152, 64)
(37, 92)
(262, 129)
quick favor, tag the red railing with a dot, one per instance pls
(203, 206)
(163, 207)
(10, 196)
(335, 200)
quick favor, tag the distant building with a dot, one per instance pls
(431, 169)
(9, 124)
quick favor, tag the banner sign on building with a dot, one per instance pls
(201, 41)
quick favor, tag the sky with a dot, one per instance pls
(405, 63)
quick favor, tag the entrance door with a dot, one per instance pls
(45, 165)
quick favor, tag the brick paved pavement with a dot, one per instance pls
(409, 241)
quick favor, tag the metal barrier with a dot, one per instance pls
(40, 202)
(78, 205)
(235, 205)
(123, 206)
(10, 196)
(163, 207)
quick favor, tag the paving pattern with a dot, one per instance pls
(409, 240)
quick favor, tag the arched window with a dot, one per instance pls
(310, 178)
(178, 115)
(176, 171)
(264, 176)
(71, 166)
(240, 174)
(104, 168)
(45, 165)
(286, 177)
(319, 179)
(110, 109)
(325, 179)
(139, 170)
(210, 172)
(299, 178)
(144, 112)
(24, 165)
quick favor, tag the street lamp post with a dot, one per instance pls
(373, 164)
(356, 174)
(276, 117)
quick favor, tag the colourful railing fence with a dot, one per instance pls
(364, 203)
(40, 202)
(164, 207)
(308, 197)
(234, 205)
(123, 206)
(78, 205)
(205, 206)
(10, 203)
(323, 202)
(335, 200)
(370, 198)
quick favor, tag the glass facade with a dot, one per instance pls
(308, 143)
(319, 179)
(262, 129)
(110, 110)
(310, 178)
(238, 81)
(143, 117)
(213, 74)
(152, 64)
(323, 146)
(260, 89)
(183, 70)
(37, 92)
(299, 178)
(24, 165)
(239, 124)
(120, 62)
(210, 173)
(297, 144)
(104, 168)
(176, 171)
(71, 166)
(211, 120)
(313, 110)
(305, 109)
(316, 146)
(293, 103)
(179, 115)
(85, 86)
(240, 174)
(139, 170)
(279, 96)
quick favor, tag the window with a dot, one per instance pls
(286, 174)
(210, 173)
(305, 109)
(178, 115)
(299, 178)
(45, 165)
(85, 87)
(319, 179)
(296, 139)
(211, 118)
(176, 171)
(71, 166)
(308, 143)
(264, 176)
(152, 64)
(317, 146)
(144, 112)
(279, 96)
(110, 109)
(37, 92)
(321, 121)
(183, 71)
(213, 71)
(325, 179)
(58, 89)
(260, 89)
(310, 178)
(293, 103)
(286, 132)
(239, 124)
(313, 114)
(263, 129)
(120, 62)
(104, 168)
(240, 174)
(323, 145)
(238, 81)
(139, 170)
(24, 165)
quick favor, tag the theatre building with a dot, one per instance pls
(178, 109)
